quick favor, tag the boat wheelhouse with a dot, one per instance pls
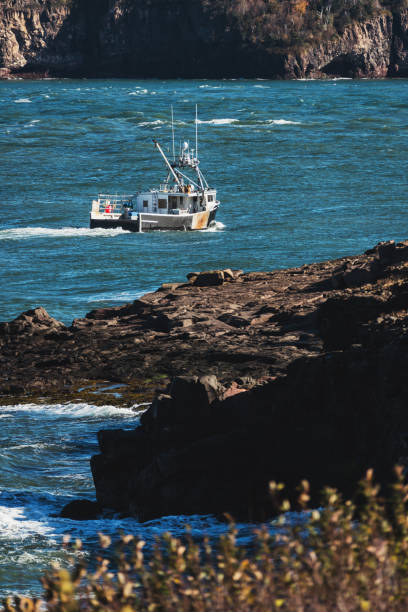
(184, 201)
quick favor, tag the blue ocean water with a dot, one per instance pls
(44, 464)
(305, 171)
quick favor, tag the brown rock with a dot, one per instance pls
(208, 279)
(228, 274)
(255, 327)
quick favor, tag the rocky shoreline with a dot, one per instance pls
(281, 375)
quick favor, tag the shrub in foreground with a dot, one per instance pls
(340, 558)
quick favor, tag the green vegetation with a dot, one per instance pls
(341, 558)
(283, 24)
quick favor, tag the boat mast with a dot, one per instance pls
(176, 178)
(172, 132)
(196, 126)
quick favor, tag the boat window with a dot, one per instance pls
(162, 203)
(145, 203)
(210, 198)
(172, 202)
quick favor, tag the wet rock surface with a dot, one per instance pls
(81, 510)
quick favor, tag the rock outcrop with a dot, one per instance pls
(182, 38)
(285, 375)
(233, 323)
(327, 416)
(226, 323)
(81, 510)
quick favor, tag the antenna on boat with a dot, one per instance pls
(196, 122)
(172, 132)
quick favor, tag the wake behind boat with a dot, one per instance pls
(184, 201)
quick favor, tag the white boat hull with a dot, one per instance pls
(151, 221)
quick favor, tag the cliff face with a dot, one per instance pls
(31, 36)
(181, 38)
(364, 50)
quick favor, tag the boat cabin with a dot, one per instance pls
(173, 202)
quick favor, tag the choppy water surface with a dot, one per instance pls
(304, 170)
(44, 463)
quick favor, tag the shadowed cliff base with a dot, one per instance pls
(203, 39)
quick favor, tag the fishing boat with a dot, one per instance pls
(184, 201)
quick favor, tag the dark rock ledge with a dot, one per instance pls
(311, 367)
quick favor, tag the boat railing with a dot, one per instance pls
(109, 203)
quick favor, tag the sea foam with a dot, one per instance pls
(218, 121)
(282, 122)
(21, 233)
(72, 410)
(215, 226)
(151, 123)
(123, 296)
(138, 92)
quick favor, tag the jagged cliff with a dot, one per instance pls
(183, 38)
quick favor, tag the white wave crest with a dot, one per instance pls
(70, 410)
(22, 101)
(21, 233)
(35, 447)
(282, 122)
(123, 296)
(215, 226)
(15, 525)
(218, 121)
(151, 123)
(138, 92)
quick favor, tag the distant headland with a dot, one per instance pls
(203, 38)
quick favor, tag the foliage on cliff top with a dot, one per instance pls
(21, 5)
(282, 24)
(342, 557)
